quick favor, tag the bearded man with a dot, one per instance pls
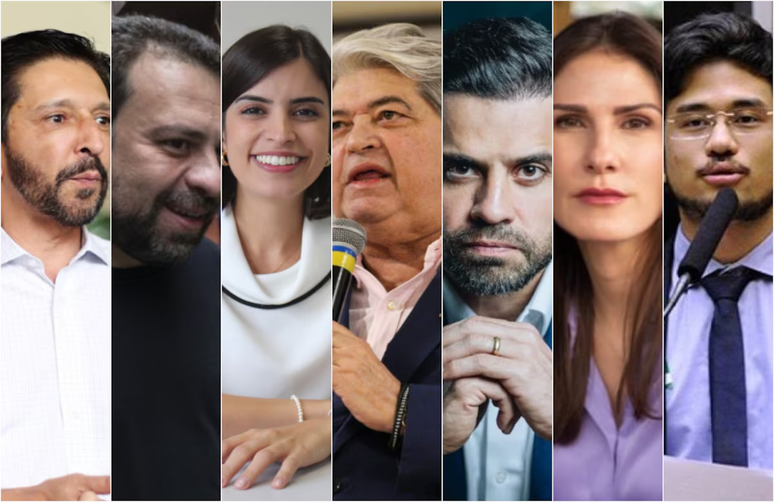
(55, 344)
(498, 280)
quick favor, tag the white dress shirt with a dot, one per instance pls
(275, 353)
(497, 466)
(55, 370)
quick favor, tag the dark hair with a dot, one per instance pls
(632, 37)
(133, 36)
(502, 58)
(25, 49)
(715, 37)
(252, 58)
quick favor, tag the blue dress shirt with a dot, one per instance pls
(689, 426)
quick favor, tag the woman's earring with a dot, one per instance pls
(224, 158)
(328, 160)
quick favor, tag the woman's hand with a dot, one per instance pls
(297, 445)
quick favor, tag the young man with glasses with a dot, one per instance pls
(718, 342)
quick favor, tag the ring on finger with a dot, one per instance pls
(496, 346)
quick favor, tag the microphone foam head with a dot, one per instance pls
(711, 229)
(349, 232)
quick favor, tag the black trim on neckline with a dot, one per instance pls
(273, 307)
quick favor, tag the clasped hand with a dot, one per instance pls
(518, 380)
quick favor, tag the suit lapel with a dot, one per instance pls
(419, 335)
(540, 474)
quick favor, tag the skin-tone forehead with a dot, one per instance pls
(361, 90)
(479, 127)
(719, 85)
(296, 79)
(60, 81)
(604, 78)
(161, 87)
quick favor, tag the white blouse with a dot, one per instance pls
(274, 353)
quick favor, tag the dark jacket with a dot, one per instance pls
(363, 466)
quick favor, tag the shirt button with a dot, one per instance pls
(391, 305)
(500, 478)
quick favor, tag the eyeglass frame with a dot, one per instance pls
(713, 118)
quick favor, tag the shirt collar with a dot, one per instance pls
(537, 312)
(90, 245)
(758, 259)
(9, 250)
(432, 260)
(94, 245)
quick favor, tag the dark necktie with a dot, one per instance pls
(728, 395)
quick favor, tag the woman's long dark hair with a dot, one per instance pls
(631, 37)
(248, 61)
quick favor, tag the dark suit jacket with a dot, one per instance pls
(455, 486)
(363, 467)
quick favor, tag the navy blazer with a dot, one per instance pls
(363, 467)
(455, 485)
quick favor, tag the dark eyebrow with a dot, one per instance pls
(178, 130)
(462, 159)
(537, 158)
(701, 107)
(56, 104)
(305, 99)
(250, 97)
(749, 102)
(386, 100)
(67, 103)
(621, 110)
(571, 108)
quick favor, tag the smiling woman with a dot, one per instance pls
(276, 240)
(607, 210)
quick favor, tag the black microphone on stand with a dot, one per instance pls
(708, 236)
(349, 239)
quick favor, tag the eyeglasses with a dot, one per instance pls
(699, 125)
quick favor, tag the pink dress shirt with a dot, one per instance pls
(376, 314)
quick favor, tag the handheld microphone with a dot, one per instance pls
(349, 239)
(708, 236)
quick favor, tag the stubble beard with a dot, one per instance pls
(138, 234)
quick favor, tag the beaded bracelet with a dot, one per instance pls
(300, 410)
(399, 426)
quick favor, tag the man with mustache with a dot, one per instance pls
(166, 278)
(718, 339)
(498, 281)
(55, 324)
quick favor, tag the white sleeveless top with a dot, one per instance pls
(278, 352)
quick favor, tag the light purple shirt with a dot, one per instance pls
(609, 463)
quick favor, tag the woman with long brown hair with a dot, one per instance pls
(607, 248)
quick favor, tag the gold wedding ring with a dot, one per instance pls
(496, 346)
